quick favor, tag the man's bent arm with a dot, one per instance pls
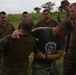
(57, 55)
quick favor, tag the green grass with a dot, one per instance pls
(15, 19)
(30, 61)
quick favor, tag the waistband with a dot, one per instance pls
(44, 61)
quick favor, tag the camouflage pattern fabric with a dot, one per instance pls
(70, 62)
(0, 69)
(14, 71)
(45, 69)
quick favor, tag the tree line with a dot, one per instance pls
(48, 5)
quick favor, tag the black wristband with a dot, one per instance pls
(45, 56)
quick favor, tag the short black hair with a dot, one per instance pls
(2, 12)
(67, 24)
(27, 24)
(46, 10)
(25, 12)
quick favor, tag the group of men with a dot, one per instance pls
(70, 54)
(47, 39)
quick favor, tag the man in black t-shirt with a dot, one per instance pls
(50, 47)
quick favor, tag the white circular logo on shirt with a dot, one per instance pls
(50, 47)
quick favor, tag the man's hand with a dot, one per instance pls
(16, 33)
(39, 55)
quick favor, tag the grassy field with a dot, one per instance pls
(15, 19)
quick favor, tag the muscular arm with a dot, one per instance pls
(40, 55)
(55, 56)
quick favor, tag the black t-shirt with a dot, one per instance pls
(47, 43)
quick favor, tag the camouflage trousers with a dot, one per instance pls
(64, 66)
(0, 69)
(70, 63)
(14, 71)
(45, 69)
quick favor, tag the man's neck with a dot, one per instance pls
(47, 20)
(23, 32)
(3, 24)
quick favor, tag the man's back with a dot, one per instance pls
(16, 51)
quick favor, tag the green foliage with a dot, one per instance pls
(37, 9)
(48, 5)
(15, 19)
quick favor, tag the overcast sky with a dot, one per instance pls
(18, 6)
